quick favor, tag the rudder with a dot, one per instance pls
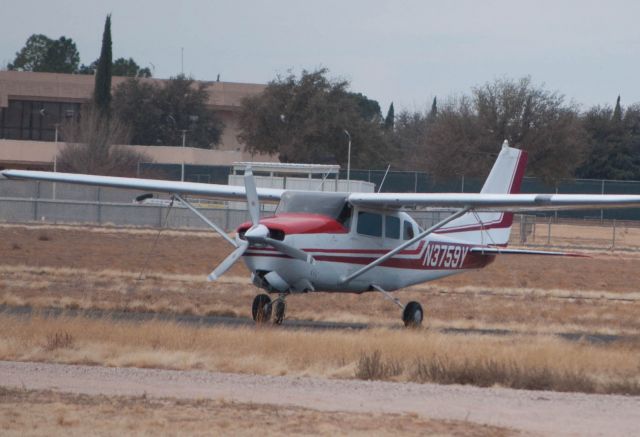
(492, 228)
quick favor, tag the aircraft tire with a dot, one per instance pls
(412, 315)
(261, 308)
(279, 310)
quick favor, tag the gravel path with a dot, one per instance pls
(531, 411)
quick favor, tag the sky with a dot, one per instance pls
(406, 52)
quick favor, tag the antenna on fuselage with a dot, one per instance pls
(384, 177)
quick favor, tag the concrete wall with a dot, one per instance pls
(40, 154)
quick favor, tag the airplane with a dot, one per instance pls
(360, 242)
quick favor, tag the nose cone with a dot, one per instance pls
(259, 231)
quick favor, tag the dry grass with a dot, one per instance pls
(51, 413)
(538, 362)
(521, 309)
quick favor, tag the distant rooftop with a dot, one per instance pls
(287, 168)
(23, 85)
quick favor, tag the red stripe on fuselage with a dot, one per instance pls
(415, 251)
(472, 261)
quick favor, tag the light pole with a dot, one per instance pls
(184, 138)
(55, 159)
(348, 162)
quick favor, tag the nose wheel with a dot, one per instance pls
(263, 307)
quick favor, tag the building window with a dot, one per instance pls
(35, 120)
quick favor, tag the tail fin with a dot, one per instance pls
(492, 227)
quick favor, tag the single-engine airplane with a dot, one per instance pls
(361, 242)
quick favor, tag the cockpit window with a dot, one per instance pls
(345, 216)
(407, 230)
(329, 204)
(392, 227)
(370, 224)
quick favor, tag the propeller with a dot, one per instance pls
(228, 261)
(257, 233)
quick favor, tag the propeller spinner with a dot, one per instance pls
(257, 233)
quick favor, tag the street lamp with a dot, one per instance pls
(348, 163)
(184, 138)
(55, 158)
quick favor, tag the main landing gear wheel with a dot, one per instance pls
(412, 315)
(280, 307)
(261, 308)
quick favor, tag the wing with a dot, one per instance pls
(495, 202)
(207, 190)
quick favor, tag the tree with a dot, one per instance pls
(463, 135)
(129, 68)
(616, 118)
(434, 108)
(42, 54)
(120, 67)
(157, 114)
(303, 119)
(102, 91)
(614, 143)
(94, 146)
(534, 119)
(389, 120)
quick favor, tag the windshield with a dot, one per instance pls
(329, 204)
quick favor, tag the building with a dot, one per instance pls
(31, 104)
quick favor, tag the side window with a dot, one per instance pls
(407, 233)
(369, 224)
(391, 227)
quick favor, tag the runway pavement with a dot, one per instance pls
(27, 311)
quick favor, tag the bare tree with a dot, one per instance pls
(463, 136)
(95, 145)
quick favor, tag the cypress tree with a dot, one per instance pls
(434, 108)
(617, 112)
(102, 91)
(390, 118)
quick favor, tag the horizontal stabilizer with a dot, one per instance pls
(505, 251)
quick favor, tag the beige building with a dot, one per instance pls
(32, 103)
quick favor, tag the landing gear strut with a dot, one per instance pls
(280, 307)
(412, 313)
(261, 308)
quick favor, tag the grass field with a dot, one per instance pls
(532, 362)
(80, 267)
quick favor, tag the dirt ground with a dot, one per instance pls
(50, 413)
(98, 267)
(544, 413)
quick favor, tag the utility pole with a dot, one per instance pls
(55, 159)
(348, 162)
(184, 142)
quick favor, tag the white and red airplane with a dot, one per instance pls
(361, 242)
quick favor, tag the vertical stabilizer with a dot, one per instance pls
(493, 228)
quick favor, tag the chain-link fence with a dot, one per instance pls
(591, 234)
(420, 182)
(22, 202)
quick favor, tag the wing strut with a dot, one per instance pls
(215, 227)
(404, 245)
